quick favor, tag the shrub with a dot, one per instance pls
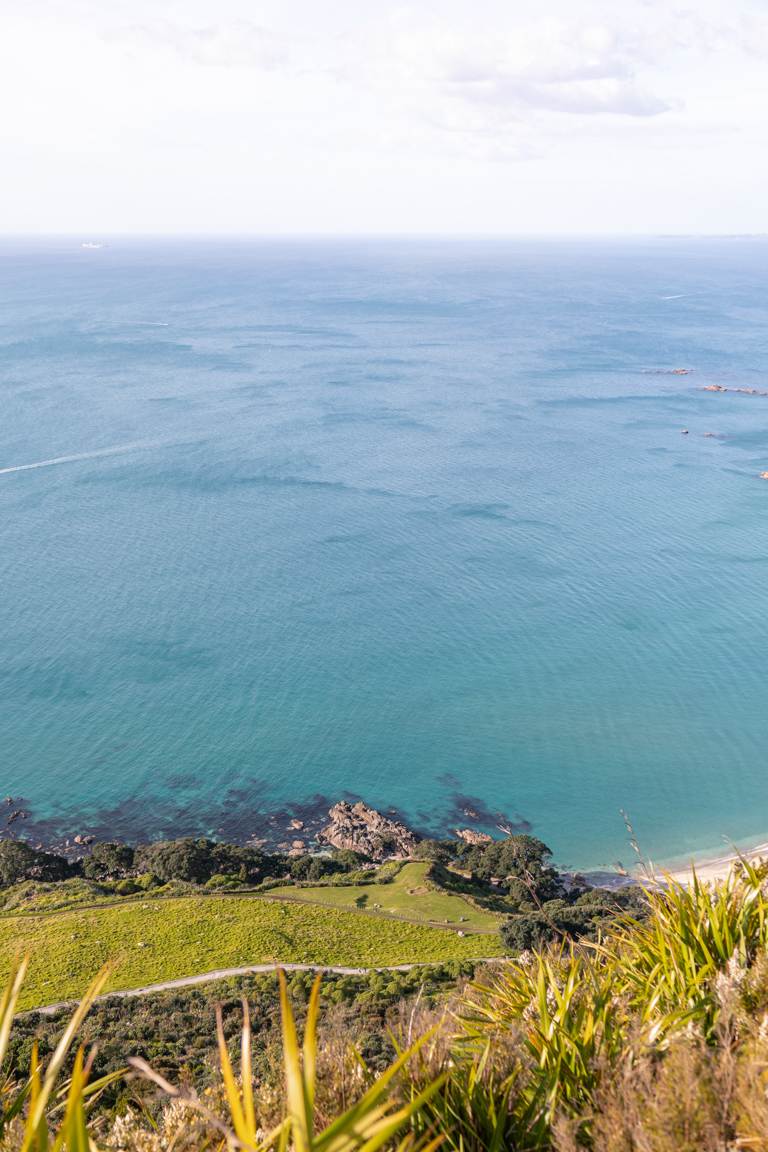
(127, 887)
(522, 858)
(441, 851)
(347, 859)
(526, 931)
(185, 859)
(108, 861)
(219, 880)
(146, 880)
(194, 861)
(574, 919)
(18, 861)
(247, 864)
(314, 867)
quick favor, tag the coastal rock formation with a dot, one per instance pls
(666, 371)
(470, 836)
(743, 391)
(365, 830)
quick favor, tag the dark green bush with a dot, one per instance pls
(18, 861)
(108, 861)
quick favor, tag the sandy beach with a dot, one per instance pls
(712, 867)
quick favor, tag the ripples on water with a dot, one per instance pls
(413, 521)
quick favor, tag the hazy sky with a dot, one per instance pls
(505, 116)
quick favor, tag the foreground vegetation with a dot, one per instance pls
(654, 1039)
(173, 1029)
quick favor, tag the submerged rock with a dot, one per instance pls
(742, 391)
(363, 829)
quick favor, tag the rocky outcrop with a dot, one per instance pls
(365, 830)
(666, 371)
(470, 836)
(743, 391)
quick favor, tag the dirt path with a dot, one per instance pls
(249, 970)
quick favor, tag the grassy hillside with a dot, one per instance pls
(158, 940)
(410, 895)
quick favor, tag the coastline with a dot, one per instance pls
(708, 865)
(302, 827)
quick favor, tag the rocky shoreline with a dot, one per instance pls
(350, 825)
(315, 825)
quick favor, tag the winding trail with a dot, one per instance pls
(248, 970)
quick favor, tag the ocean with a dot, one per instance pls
(410, 520)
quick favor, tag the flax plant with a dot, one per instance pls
(668, 964)
(474, 1107)
(562, 1007)
(579, 1011)
(50, 1112)
(373, 1122)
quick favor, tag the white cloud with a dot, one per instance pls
(239, 44)
(553, 66)
(352, 115)
(608, 96)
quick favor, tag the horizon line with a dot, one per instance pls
(87, 236)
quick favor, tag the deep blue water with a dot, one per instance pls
(409, 520)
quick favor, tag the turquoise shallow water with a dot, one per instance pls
(409, 520)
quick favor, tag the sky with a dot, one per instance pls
(355, 116)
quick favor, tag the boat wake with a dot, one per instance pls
(115, 451)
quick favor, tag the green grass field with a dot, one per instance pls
(409, 895)
(158, 940)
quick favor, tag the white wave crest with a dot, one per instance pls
(115, 451)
